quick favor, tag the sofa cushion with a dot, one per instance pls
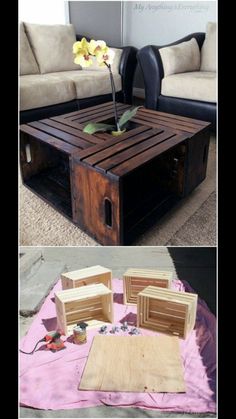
(92, 83)
(180, 58)
(28, 64)
(197, 85)
(52, 46)
(114, 67)
(43, 90)
(208, 52)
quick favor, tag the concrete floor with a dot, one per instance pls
(194, 264)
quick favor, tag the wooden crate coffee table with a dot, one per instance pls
(114, 188)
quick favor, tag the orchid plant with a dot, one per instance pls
(84, 51)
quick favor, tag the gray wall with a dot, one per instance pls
(156, 22)
(97, 19)
(161, 22)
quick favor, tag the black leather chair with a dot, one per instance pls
(149, 59)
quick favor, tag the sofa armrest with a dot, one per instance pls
(127, 67)
(150, 62)
(128, 63)
(79, 37)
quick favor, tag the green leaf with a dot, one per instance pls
(127, 115)
(91, 128)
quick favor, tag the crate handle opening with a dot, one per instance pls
(28, 153)
(108, 212)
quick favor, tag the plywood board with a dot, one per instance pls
(149, 364)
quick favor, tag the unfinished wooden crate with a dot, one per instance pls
(135, 280)
(167, 311)
(92, 304)
(92, 275)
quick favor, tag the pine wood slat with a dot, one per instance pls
(135, 280)
(169, 311)
(92, 275)
(91, 303)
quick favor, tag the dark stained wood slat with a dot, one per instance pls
(178, 117)
(131, 164)
(152, 124)
(99, 117)
(48, 139)
(100, 135)
(117, 159)
(75, 131)
(103, 136)
(70, 114)
(99, 112)
(68, 138)
(81, 111)
(170, 124)
(167, 119)
(130, 134)
(104, 106)
(97, 158)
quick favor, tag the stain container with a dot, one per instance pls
(80, 335)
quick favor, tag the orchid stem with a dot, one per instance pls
(113, 96)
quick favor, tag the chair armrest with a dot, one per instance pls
(128, 63)
(150, 62)
(79, 37)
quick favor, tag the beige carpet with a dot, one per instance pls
(41, 225)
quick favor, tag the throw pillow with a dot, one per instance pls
(180, 58)
(208, 52)
(28, 64)
(52, 46)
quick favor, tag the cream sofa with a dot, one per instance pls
(50, 82)
(181, 78)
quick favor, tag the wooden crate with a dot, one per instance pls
(114, 188)
(167, 311)
(92, 275)
(135, 280)
(92, 304)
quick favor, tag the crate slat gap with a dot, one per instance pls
(135, 280)
(167, 311)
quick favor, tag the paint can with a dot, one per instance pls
(80, 335)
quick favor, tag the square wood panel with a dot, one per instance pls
(137, 364)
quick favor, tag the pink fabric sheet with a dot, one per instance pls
(50, 380)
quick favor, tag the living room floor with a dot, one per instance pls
(191, 222)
